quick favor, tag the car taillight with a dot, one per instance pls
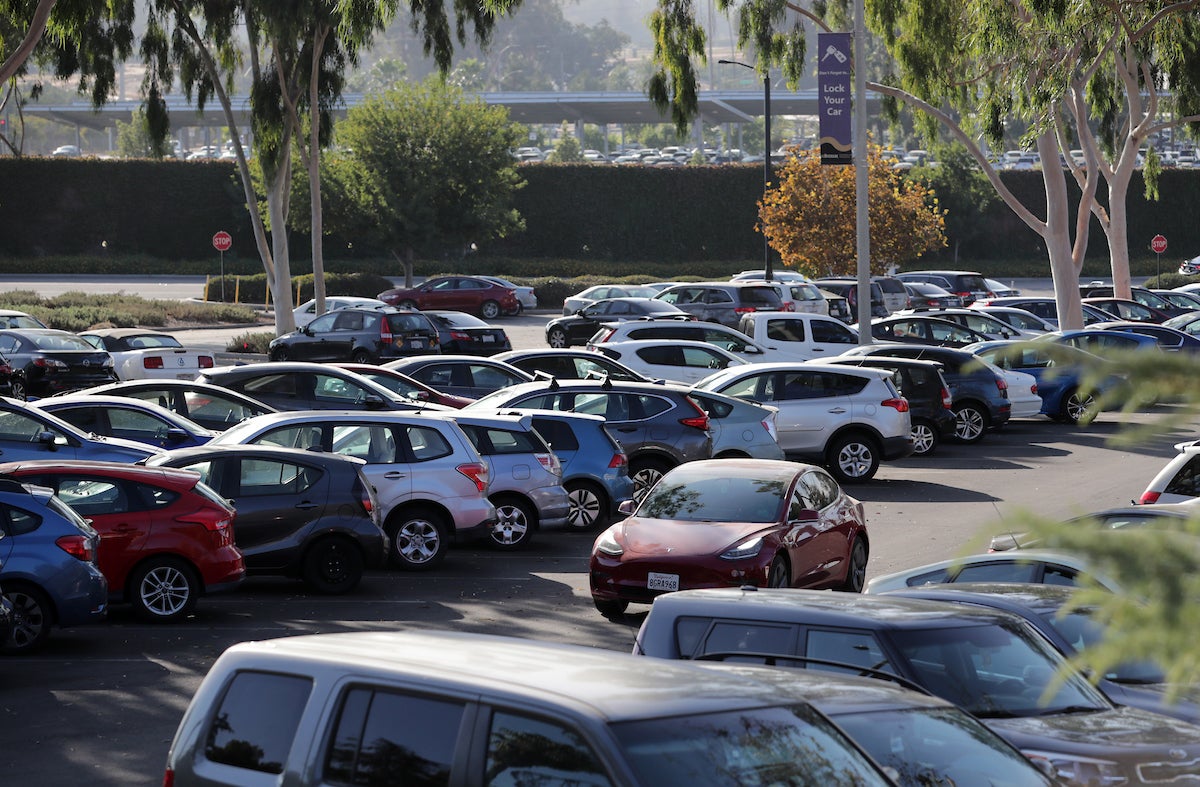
(964, 295)
(1033, 389)
(364, 496)
(385, 332)
(769, 424)
(697, 421)
(900, 403)
(744, 309)
(608, 332)
(459, 336)
(1149, 497)
(204, 361)
(168, 778)
(152, 363)
(934, 303)
(550, 462)
(788, 307)
(947, 399)
(619, 459)
(476, 472)
(210, 519)
(49, 364)
(1002, 385)
(78, 547)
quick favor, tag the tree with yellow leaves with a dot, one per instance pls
(809, 216)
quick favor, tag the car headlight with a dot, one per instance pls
(607, 544)
(748, 548)
(1078, 770)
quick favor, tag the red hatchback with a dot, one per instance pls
(732, 522)
(459, 293)
(165, 537)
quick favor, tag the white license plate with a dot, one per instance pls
(185, 376)
(656, 581)
(416, 344)
(487, 338)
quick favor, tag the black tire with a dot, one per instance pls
(645, 474)
(17, 389)
(420, 539)
(361, 356)
(925, 437)
(333, 566)
(852, 458)
(971, 422)
(516, 522)
(780, 574)
(589, 506)
(489, 310)
(279, 354)
(407, 304)
(613, 610)
(856, 568)
(557, 338)
(33, 616)
(163, 590)
(1075, 405)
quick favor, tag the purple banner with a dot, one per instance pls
(833, 99)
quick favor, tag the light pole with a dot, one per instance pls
(767, 270)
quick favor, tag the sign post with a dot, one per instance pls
(1158, 244)
(222, 241)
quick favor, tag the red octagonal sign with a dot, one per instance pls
(222, 241)
(1158, 244)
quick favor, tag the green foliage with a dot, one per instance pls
(962, 190)
(77, 311)
(253, 288)
(136, 139)
(567, 151)
(250, 342)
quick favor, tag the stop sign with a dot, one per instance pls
(222, 241)
(1158, 244)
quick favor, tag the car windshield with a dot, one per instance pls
(781, 746)
(995, 670)
(1078, 628)
(695, 496)
(926, 746)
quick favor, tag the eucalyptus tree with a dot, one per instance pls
(967, 67)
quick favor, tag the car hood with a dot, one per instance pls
(1120, 734)
(113, 446)
(641, 536)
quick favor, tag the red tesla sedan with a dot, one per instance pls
(458, 293)
(165, 537)
(732, 522)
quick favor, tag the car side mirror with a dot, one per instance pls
(627, 507)
(805, 515)
(306, 330)
(373, 401)
(579, 313)
(176, 435)
(46, 438)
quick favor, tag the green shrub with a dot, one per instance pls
(250, 342)
(253, 288)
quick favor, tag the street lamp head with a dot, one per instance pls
(734, 63)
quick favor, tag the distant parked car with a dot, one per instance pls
(10, 318)
(1046, 308)
(307, 311)
(926, 330)
(467, 376)
(930, 404)
(602, 292)
(722, 302)
(1124, 309)
(211, 406)
(580, 325)
(460, 333)
(1039, 566)
(45, 362)
(968, 285)
(975, 319)
(568, 364)
(847, 288)
(922, 295)
(166, 538)
(47, 566)
(129, 419)
(999, 289)
(404, 386)
(288, 385)
(732, 522)
(304, 514)
(1142, 295)
(139, 354)
(526, 297)
(27, 432)
(462, 293)
(1023, 321)
(671, 360)
(1100, 341)
(360, 336)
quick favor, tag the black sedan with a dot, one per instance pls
(460, 333)
(567, 364)
(579, 327)
(911, 329)
(45, 362)
(294, 385)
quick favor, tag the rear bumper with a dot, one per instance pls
(85, 602)
(897, 447)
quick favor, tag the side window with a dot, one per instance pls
(642, 406)
(751, 637)
(832, 333)
(278, 384)
(212, 408)
(373, 444)
(385, 738)
(817, 491)
(19, 427)
(323, 324)
(785, 330)
(348, 321)
(699, 358)
(426, 443)
(1060, 575)
(260, 477)
(306, 436)
(18, 522)
(557, 434)
(205, 469)
(335, 388)
(490, 379)
(1187, 480)
(89, 419)
(525, 750)
(859, 649)
(91, 496)
(661, 355)
(846, 384)
(256, 722)
(756, 387)
(490, 441)
(717, 297)
(131, 421)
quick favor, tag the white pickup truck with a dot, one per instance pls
(798, 335)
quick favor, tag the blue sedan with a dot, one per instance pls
(27, 432)
(1060, 370)
(1095, 339)
(129, 419)
(1168, 339)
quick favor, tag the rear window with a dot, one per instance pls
(254, 726)
(408, 323)
(972, 283)
(557, 433)
(760, 296)
(891, 285)
(66, 341)
(491, 441)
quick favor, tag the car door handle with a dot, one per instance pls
(627, 429)
(305, 506)
(837, 410)
(394, 474)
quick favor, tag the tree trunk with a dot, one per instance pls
(1064, 267)
(314, 169)
(281, 283)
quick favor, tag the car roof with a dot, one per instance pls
(632, 687)
(121, 333)
(266, 451)
(805, 366)
(889, 360)
(832, 693)
(820, 608)
(944, 273)
(1032, 555)
(1016, 597)
(120, 469)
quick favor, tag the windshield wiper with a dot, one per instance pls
(1071, 709)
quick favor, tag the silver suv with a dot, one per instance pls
(431, 482)
(723, 302)
(842, 417)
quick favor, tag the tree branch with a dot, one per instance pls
(37, 27)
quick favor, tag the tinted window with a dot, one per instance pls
(262, 477)
(761, 297)
(832, 333)
(278, 384)
(785, 330)
(425, 443)
(384, 738)
(491, 441)
(524, 750)
(306, 436)
(19, 522)
(558, 434)
(737, 499)
(256, 721)
(859, 649)
(997, 572)
(91, 496)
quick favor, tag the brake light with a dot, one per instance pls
(78, 547)
(1002, 385)
(385, 332)
(900, 403)
(788, 307)
(744, 309)
(697, 421)
(1033, 389)
(204, 361)
(608, 332)
(476, 472)
(364, 496)
(964, 295)
(619, 459)
(550, 462)
(768, 423)
(459, 336)
(947, 398)
(934, 303)
(152, 363)
(1149, 497)
(168, 778)
(49, 364)
(209, 519)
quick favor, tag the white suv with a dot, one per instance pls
(722, 336)
(1179, 480)
(846, 418)
(431, 482)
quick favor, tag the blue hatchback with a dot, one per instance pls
(29, 433)
(47, 565)
(128, 419)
